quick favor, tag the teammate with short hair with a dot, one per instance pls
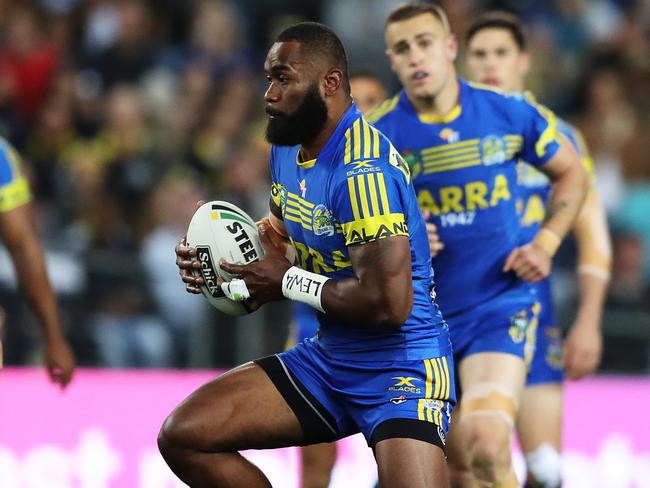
(367, 90)
(463, 143)
(497, 55)
(381, 362)
(18, 234)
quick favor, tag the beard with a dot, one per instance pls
(300, 126)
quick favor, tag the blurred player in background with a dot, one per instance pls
(367, 90)
(18, 234)
(497, 55)
(381, 363)
(463, 144)
(318, 460)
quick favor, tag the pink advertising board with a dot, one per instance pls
(101, 433)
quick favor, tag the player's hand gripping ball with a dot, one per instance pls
(222, 230)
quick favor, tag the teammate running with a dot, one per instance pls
(18, 234)
(381, 363)
(497, 55)
(463, 143)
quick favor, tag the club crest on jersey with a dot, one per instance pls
(449, 135)
(323, 223)
(284, 194)
(413, 162)
(518, 326)
(493, 150)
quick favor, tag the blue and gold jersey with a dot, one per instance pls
(536, 187)
(358, 191)
(464, 169)
(14, 189)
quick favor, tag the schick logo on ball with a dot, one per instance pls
(207, 271)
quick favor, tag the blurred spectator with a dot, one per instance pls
(27, 62)
(172, 207)
(615, 135)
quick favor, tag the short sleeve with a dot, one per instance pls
(275, 186)
(578, 142)
(369, 205)
(14, 188)
(540, 132)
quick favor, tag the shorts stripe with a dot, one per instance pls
(436, 370)
(447, 378)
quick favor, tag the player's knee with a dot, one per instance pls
(489, 441)
(168, 438)
(544, 467)
(176, 436)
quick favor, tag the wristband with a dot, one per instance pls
(595, 271)
(304, 286)
(548, 240)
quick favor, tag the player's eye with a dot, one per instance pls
(425, 43)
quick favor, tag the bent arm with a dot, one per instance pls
(381, 293)
(594, 259)
(570, 184)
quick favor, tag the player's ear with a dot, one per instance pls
(452, 47)
(524, 63)
(332, 81)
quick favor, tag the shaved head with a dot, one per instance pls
(319, 44)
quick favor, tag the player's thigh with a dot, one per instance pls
(539, 420)
(410, 463)
(241, 409)
(492, 381)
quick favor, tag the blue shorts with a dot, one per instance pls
(545, 365)
(306, 321)
(506, 323)
(335, 398)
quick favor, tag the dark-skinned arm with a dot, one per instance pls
(380, 295)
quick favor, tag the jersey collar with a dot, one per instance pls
(449, 117)
(333, 143)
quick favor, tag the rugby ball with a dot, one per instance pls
(222, 230)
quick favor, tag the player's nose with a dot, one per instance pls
(272, 94)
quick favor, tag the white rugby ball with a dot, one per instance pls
(222, 230)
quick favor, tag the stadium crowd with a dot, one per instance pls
(126, 112)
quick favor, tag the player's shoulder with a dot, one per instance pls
(366, 150)
(385, 111)
(499, 100)
(9, 162)
(569, 130)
